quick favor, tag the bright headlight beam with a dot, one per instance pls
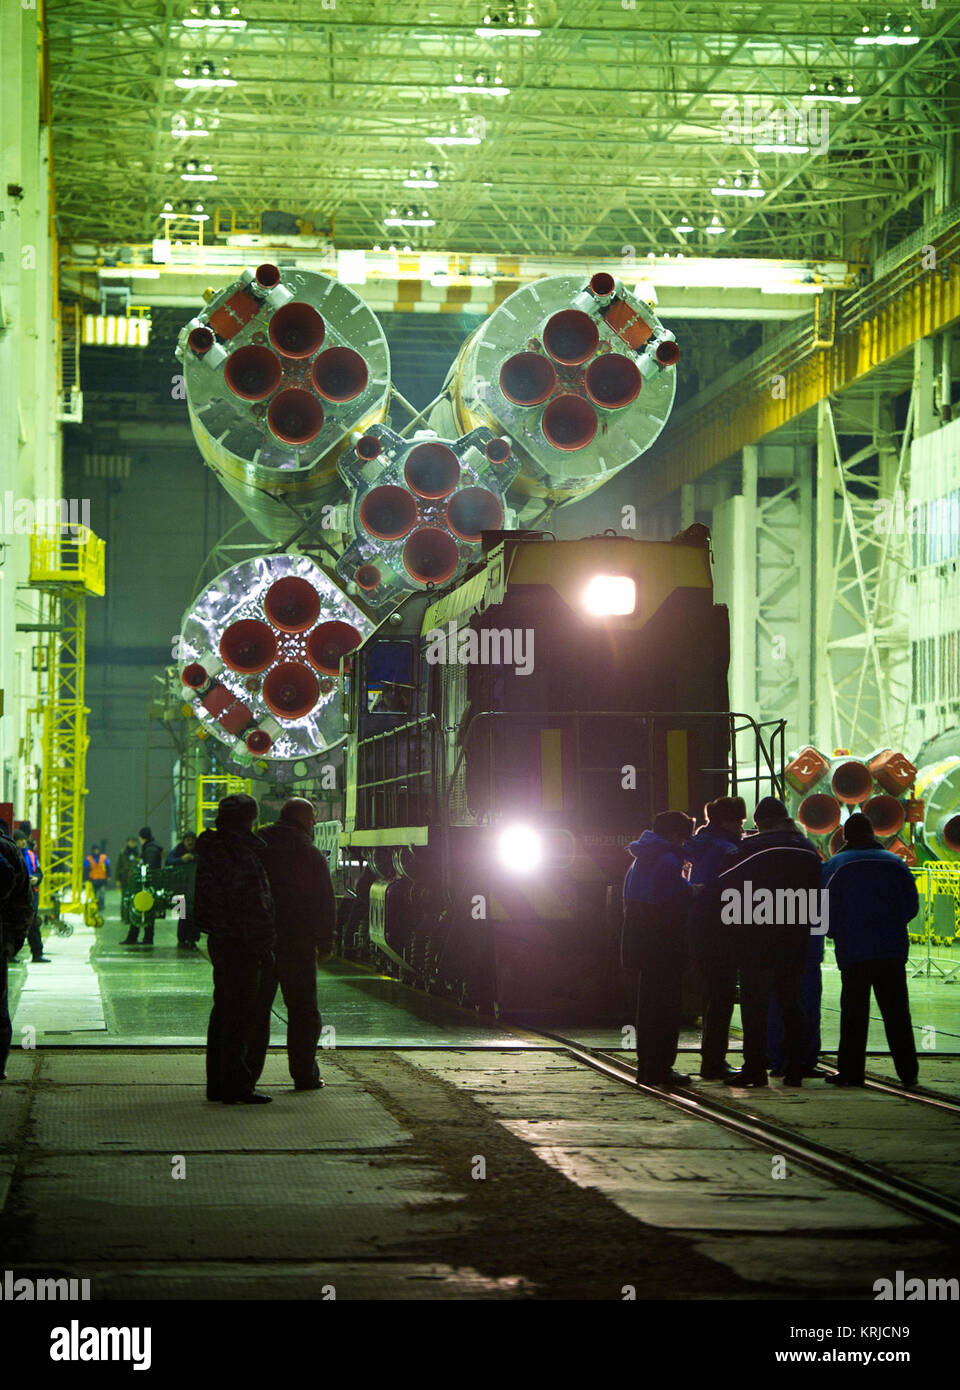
(610, 596)
(520, 848)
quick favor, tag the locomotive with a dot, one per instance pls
(508, 736)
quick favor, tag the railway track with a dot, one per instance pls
(924, 1203)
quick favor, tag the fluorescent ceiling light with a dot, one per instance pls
(782, 149)
(421, 183)
(886, 39)
(181, 133)
(684, 227)
(453, 139)
(190, 82)
(479, 91)
(714, 231)
(215, 24)
(844, 100)
(737, 192)
(484, 32)
(409, 222)
(199, 178)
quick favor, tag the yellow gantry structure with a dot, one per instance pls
(211, 788)
(842, 345)
(66, 564)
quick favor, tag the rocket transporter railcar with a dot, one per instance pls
(508, 737)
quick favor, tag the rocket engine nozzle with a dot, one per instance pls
(295, 416)
(339, 374)
(570, 337)
(328, 643)
(667, 352)
(613, 381)
(430, 556)
(297, 330)
(248, 646)
(200, 340)
(291, 690)
(852, 783)
(388, 512)
(268, 275)
(473, 510)
(886, 815)
(819, 813)
(527, 378)
(569, 422)
(292, 604)
(432, 470)
(253, 372)
(194, 675)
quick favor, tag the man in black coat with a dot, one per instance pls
(234, 906)
(770, 897)
(306, 912)
(16, 911)
(151, 854)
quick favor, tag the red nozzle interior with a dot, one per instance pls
(430, 556)
(472, 510)
(527, 378)
(388, 512)
(194, 675)
(432, 470)
(297, 329)
(951, 834)
(291, 690)
(367, 576)
(200, 341)
(268, 275)
(328, 643)
(852, 783)
(613, 380)
(885, 814)
(569, 422)
(571, 336)
(295, 416)
(497, 451)
(253, 372)
(292, 604)
(259, 741)
(668, 352)
(248, 646)
(602, 284)
(339, 374)
(369, 447)
(819, 813)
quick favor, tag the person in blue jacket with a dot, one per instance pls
(708, 853)
(871, 896)
(655, 901)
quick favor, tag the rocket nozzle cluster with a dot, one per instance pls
(823, 791)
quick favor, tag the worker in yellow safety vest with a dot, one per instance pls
(96, 871)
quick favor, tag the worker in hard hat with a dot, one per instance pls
(306, 916)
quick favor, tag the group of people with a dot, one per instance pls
(703, 900)
(266, 904)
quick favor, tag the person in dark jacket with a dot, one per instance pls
(151, 855)
(127, 861)
(655, 901)
(183, 859)
(234, 907)
(872, 896)
(770, 900)
(306, 913)
(35, 873)
(708, 853)
(16, 910)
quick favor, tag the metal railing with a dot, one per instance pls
(395, 786)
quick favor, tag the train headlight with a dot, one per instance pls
(610, 596)
(520, 849)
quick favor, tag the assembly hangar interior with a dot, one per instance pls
(332, 333)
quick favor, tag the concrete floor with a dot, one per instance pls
(447, 1157)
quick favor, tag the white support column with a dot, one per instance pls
(822, 721)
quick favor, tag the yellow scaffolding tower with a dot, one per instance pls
(67, 564)
(211, 788)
